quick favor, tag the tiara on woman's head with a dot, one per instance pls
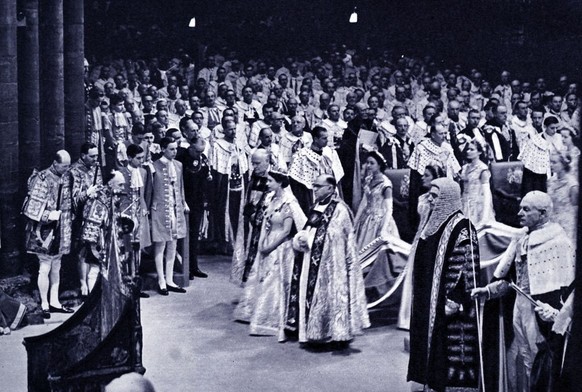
(379, 157)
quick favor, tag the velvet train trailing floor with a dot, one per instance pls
(191, 343)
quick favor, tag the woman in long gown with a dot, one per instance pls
(476, 197)
(374, 217)
(563, 189)
(374, 220)
(571, 150)
(265, 296)
(431, 172)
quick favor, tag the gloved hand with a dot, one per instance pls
(92, 191)
(451, 307)
(546, 312)
(54, 216)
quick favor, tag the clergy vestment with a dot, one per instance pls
(327, 300)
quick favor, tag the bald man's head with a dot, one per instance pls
(260, 154)
(453, 110)
(62, 162)
(62, 156)
(361, 107)
(260, 162)
(453, 105)
(539, 200)
(535, 209)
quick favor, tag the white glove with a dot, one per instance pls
(451, 307)
(546, 312)
(54, 215)
(92, 191)
(301, 241)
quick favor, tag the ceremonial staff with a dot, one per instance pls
(477, 302)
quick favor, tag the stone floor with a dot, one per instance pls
(191, 343)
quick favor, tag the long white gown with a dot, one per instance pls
(265, 297)
(476, 198)
(369, 226)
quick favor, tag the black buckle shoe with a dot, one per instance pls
(62, 309)
(176, 289)
(162, 291)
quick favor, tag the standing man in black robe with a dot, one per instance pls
(444, 351)
(197, 179)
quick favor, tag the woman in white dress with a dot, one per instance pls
(563, 189)
(374, 217)
(475, 176)
(265, 296)
(571, 150)
(374, 221)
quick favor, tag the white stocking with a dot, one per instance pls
(55, 280)
(43, 282)
(170, 258)
(92, 276)
(83, 268)
(159, 248)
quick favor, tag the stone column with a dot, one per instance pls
(52, 100)
(74, 75)
(28, 92)
(9, 204)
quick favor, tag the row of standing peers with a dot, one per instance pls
(536, 128)
(527, 134)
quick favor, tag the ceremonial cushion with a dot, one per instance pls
(506, 190)
(400, 179)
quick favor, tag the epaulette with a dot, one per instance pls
(42, 174)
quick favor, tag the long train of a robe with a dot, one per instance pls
(303, 195)
(393, 253)
(494, 239)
